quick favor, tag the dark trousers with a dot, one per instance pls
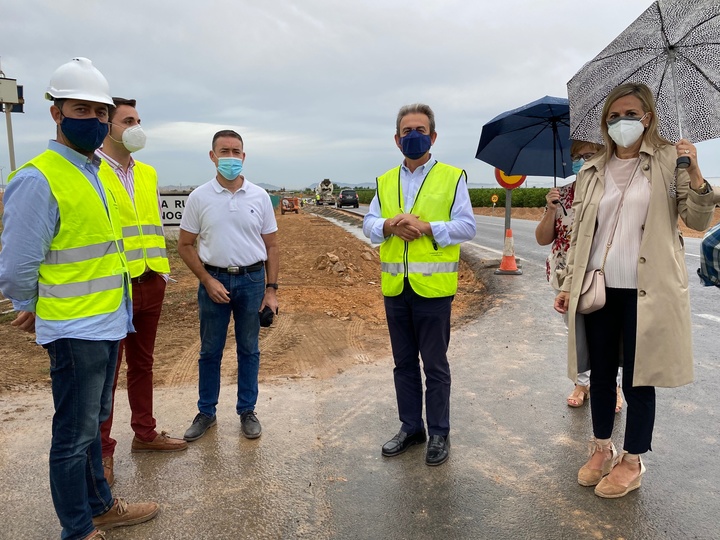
(420, 327)
(610, 330)
(139, 348)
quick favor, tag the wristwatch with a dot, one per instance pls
(704, 188)
(273, 285)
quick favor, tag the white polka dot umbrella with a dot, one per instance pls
(674, 48)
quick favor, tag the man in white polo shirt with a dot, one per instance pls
(234, 223)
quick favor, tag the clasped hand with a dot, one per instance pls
(405, 226)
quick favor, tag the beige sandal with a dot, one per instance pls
(609, 490)
(578, 396)
(592, 477)
(619, 400)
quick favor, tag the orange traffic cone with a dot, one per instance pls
(508, 266)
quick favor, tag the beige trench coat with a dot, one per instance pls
(663, 351)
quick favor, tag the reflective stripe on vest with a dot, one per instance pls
(73, 255)
(142, 226)
(426, 269)
(83, 272)
(430, 269)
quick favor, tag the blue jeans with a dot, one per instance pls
(246, 294)
(82, 374)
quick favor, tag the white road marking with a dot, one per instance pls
(709, 317)
(499, 252)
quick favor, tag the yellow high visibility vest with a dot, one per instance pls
(432, 270)
(84, 271)
(141, 224)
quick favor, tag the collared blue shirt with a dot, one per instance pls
(460, 228)
(30, 222)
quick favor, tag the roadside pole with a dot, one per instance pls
(508, 265)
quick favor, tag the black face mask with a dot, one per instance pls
(87, 134)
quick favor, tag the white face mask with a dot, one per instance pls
(133, 138)
(626, 131)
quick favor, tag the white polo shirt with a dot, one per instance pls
(229, 225)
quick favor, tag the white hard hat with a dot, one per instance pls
(79, 79)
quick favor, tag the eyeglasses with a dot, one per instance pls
(586, 156)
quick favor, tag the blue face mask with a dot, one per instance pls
(230, 167)
(415, 144)
(577, 165)
(87, 134)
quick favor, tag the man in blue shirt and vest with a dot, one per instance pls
(64, 268)
(420, 214)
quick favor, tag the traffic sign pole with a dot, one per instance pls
(508, 265)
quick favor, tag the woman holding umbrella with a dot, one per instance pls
(627, 202)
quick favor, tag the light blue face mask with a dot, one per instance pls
(577, 165)
(230, 167)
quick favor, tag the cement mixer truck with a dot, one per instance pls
(324, 193)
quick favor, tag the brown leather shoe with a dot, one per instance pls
(161, 443)
(97, 534)
(108, 470)
(123, 514)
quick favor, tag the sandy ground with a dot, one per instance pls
(331, 314)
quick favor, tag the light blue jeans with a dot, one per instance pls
(246, 294)
(82, 374)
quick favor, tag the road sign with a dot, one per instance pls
(494, 198)
(509, 182)
(172, 206)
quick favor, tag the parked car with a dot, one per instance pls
(348, 197)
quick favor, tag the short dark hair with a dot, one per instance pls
(226, 133)
(416, 108)
(117, 101)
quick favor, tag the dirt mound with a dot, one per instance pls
(331, 313)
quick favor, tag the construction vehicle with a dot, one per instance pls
(289, 203)
(324, 193)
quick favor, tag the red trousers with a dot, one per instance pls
(147, 299)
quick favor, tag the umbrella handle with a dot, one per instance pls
(682, 162)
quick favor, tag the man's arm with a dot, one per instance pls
(272, 268)
(30, 221)
(186, 249)
(462, 226)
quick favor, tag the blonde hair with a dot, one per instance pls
(644, 94)
(577, 145)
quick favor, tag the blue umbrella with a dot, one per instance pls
(533, 139)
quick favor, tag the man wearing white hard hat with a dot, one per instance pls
(64, 268)
(135, 187)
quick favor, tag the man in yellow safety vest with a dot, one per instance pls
(420, 214)
(63, 266)
(135, 187)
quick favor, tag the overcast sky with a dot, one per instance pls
(314, 85)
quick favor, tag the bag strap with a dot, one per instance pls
(617, 215)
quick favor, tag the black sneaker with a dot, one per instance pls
(250, 425)
(199, 426)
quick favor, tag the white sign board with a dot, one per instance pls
(8, 90)
(172, 206)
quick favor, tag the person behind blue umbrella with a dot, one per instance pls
(554, 228)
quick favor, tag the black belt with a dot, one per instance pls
(143, 277)
(235, 269)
